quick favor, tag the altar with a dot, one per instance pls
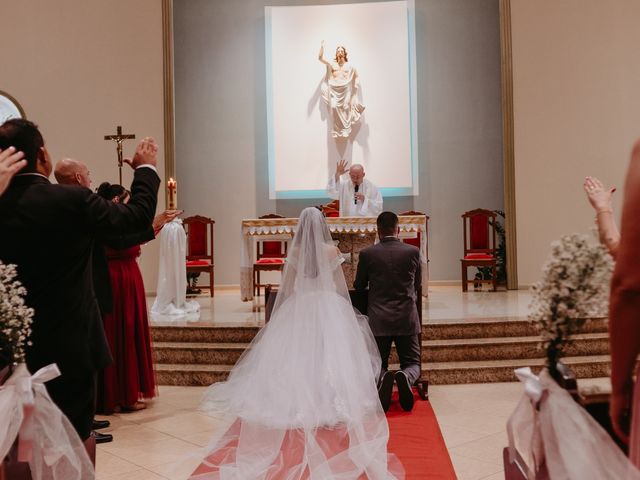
(352, 234)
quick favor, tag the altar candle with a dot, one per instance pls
(172, 193)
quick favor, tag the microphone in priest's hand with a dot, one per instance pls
(355, 196)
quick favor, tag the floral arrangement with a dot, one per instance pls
(574, 287)
(15, 317)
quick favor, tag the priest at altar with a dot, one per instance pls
(358, 196)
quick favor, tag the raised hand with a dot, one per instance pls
(163, 218)
(341, 168)
(10, 163)
(599, 197)
(146, 154)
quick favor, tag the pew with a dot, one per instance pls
(596, 405)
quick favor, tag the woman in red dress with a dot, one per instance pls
(130, 378)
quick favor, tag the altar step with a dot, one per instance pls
(442, 373)
(451, 352)
(494, 328)
(433, 351)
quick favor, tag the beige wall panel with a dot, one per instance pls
(79, 68)
(576, 103)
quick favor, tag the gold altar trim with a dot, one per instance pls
(279, 226)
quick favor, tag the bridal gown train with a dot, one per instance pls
(302, 399)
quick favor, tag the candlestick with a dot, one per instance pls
(172, 194)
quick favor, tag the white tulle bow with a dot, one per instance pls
(46, 438)
(532, 386)
(555, 437)
(25, 384)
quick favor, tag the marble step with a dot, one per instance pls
(507, 348)
(441, 373)
(507, 327)
(446, 373)
(504, 348)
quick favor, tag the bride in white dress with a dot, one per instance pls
(303, 397)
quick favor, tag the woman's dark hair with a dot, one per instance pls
(110, 191)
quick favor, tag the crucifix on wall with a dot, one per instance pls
(119, 137)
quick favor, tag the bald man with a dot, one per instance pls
(74, 172)
(358, 196)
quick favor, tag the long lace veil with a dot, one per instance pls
(313, 262)
(302, 397)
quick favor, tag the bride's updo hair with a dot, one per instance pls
(110, 191)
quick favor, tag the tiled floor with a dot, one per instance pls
(163, 441)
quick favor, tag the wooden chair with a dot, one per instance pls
(479, 245)
(360, 301)
(270, 255)
(200, 246)
(415, 241)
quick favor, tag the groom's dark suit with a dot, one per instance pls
(391, 270)
(48, 231)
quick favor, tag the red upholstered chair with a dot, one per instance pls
(200, 246)
(331, 209)
(270, 256)
(415, 241)
(479, 245)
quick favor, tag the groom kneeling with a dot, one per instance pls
(391, 270)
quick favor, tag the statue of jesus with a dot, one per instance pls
(340, 91)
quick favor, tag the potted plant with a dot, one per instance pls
(485, 273)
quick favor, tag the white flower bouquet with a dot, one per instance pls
(574, 287)
(15, 318)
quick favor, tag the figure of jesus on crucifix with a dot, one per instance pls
(119, 137)
(340, 92)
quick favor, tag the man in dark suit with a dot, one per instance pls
(74, 172)
(49, 232)
(391, 271)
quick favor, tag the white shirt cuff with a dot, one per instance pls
(146, 165)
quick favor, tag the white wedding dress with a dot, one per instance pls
(303, 398)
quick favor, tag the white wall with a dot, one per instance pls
(79, 68)
(576, 104)
(221, 139)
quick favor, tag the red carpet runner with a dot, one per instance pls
(416, 440)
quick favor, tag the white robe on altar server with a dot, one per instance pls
(344, 191)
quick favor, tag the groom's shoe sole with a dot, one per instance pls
(385, 389)
(405, 393)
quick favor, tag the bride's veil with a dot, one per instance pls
(302, 397)
(313, 262)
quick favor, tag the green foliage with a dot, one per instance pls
(485, 273)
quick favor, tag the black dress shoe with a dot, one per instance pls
(102, 437)
(99, 424)
(384, 390)
(404, 391)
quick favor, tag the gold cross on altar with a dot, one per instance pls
(119, 137)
